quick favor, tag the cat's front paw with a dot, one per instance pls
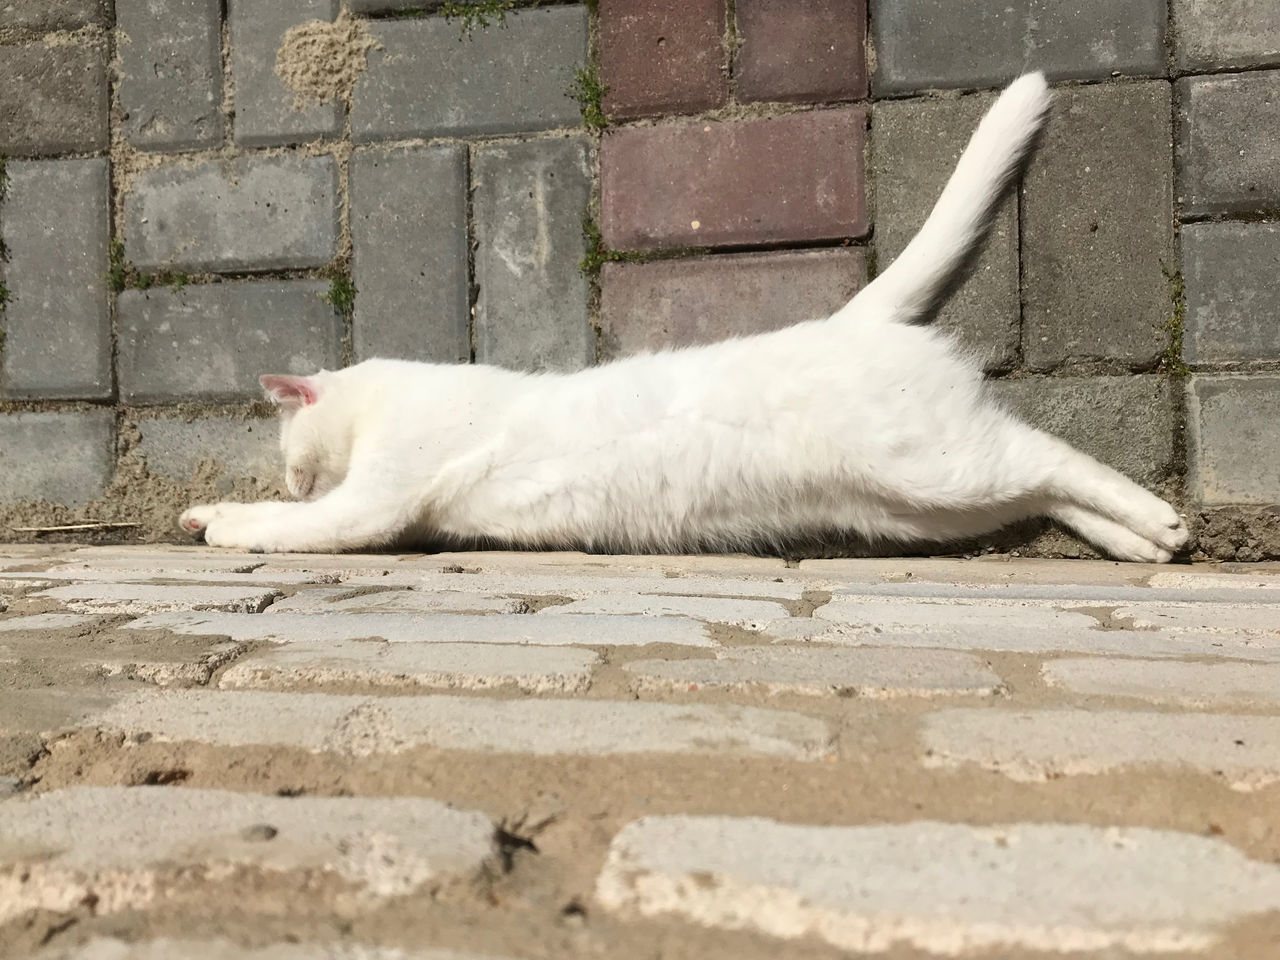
(197, 518)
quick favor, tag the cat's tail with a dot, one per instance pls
(918, 282)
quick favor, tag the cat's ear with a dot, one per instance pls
(290, 391)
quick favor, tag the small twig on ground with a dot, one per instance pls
(86, 525)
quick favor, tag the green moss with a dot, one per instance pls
(117, 275)
(4, 295)
(477, 13)
(598, 254)
(342, 294)
(589, 91)
(1171, 361)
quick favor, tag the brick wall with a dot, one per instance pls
(194, 188)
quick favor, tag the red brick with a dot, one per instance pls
(802, 49)
(792, 178)
(675, 303)
(662, 56)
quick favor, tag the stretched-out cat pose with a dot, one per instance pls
(864, 423)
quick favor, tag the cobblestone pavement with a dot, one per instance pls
(216, 755)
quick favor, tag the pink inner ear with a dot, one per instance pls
(290, 390)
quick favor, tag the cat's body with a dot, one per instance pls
(862, 423)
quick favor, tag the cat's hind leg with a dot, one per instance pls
(1112, 538)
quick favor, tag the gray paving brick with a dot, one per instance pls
(364, 726)
(1226, 33)
(1126, 422)
(915, 146)
(529, 200)
(141, 598)
(942, 888)
(254, 213)
(1168, 681)
(213, 341)
(1244, 621)
(110, 845)
(428, 81)
(265, 110)
(1227, 161)
(60, 457)
(1036, 745)
(52, 14)
(1232, 440)
(171, 72)
(53, 99)
(925, 43)
(55, 222)
(1232, 297)
(409, 263)
(1097, 229)
(242, 448)
(751, 614)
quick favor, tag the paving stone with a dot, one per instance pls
(170, 558)
(1232, 441)
(1226, 33)
(165, 949)
(711, 183)
(266, 111)
(427, 81)
(922, 44)
(171, 72)
(254, 213)
(751, 614)
(1206, 618)
(1232, 300)
(1098, 195)
(1036, 745)
(242, 449)
(409, 262)
(1227, 162)
(1195, 589)
(339, 600)
(810, 51)
(163, 664)
(1126, 422)
(940, 887)
(52, 14)
(437, 628)
(577, 586)
(364, 726)
(663, 56)
(466, 666)
(823, 671)
(53, 99)
(113, 846)
(45, 621)
(138, 599)
(211, 341)
(528, 203)
(60, 457)
(915, 147)
(1022, 629)
(1168, 681)
(55, 221)
(675, 303)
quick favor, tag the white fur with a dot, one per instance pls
(861, 423)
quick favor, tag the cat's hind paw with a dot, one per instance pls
(196, 519)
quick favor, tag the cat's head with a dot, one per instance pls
(315, 436)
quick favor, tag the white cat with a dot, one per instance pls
(864, 423)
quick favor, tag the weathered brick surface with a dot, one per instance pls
(1227, 160)
(52, 14)
(926, 43)
(531, 311)
(915, 146)
(712, 183)
(255, 213)
(1164, 681)
(55, 222)
(139, 599)
(428, 81)
(409, 262)
(1097, 229)
(1126, 422)
(53, 99)
(266, 112)
(1233, 299)
(241, 447)
(213, 341)
(676, 303)
(1226, 33)
(807, 51)
(1233, 443)
(171, 72)
(60, 457)
(662, 56)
